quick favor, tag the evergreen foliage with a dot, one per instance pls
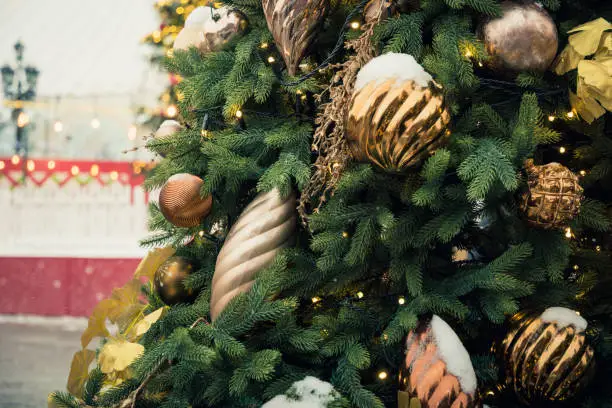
(330, 306)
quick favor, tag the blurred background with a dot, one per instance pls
(81, 90)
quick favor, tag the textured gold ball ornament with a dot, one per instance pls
(397, 116)
(208, 29)
(547, 358)
(437, 371)
(180, 201)
(266, 225)
(523, 38)
(294, 24)
(553, 195)
(168, 281)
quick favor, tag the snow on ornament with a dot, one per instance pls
(307, 393)
(208, 29)
(437, 370)
(397, 116)
(547, 357)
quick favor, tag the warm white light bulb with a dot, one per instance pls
(95, 123)
(58, 126)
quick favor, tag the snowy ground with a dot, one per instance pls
(35, 355)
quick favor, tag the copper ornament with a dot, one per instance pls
(546, 361)
(293, 24)
(524, 38)
(396, 126)
(208, 29)
(553, 195)
(266, 225)
(168, 281)
(425, 381)
(180, 201)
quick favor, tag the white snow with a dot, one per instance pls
(402, 67)
(454, 354)
(564, 317)
(310, 392)
(202, 17)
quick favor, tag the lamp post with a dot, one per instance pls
(19, 86)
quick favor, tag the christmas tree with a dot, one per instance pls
(373, 204)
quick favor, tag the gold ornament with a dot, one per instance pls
(437, 371)
(293, 24)
(265, 226)
(329, 140)
(553, 196)
(169, 281)
(180, 201)
(547, 357)
(208, 29)
(593, 95)
(524, 38)
(165, 132)
(396, 123)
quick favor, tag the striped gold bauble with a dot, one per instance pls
(396, 125)
(180, 201)
(547, 358)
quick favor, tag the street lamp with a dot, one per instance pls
(19, 86)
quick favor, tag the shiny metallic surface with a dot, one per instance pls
(266, 225)
(294, 23)
(524, 38)
(396, 126)
(207, 39)
(168, 281)
(180, 201)
(545, 362)
(553, 196)
(424, 379)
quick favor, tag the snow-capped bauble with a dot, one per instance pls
(523, 38)
(553, 195)
(547, 357)
(180, 201)
(266, 225)
(169, 281)
(397, 116)
(309, 392)
(437, 371)
(166, 130)
(294, 24)
(208, 29)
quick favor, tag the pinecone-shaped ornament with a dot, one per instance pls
(553, 195)
(266, 225)
(294, 23)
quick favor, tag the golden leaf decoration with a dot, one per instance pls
(79, 371)
(144, 325)
(567, 61)
(586, 107)
(585, 38)
(96, 326)
(152, 261)
(127, 304)
(118, 354)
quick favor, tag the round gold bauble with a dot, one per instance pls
(547, 359)
(553, 195)
(523, 38)
(168, 281)
(180, 201)
(208, 29)
(396, 124)
(428, 378)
